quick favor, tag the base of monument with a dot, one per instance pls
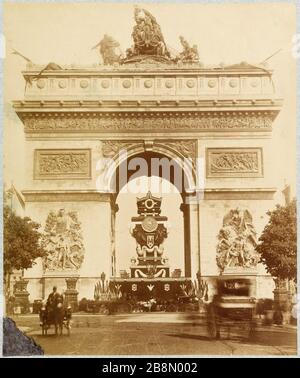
(147, 59)
(239, 271)
(157, 288)
(142, 271)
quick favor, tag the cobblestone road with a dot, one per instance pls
(155, 334)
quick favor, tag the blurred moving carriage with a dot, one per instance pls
(59, 316)
(233, 307)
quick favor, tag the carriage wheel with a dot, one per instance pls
(251, 329)
(213, 325)
(212, 329)
(68, 328)
(45, 329)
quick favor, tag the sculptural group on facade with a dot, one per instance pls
(148, 44)
(63, 241)
(237, 241)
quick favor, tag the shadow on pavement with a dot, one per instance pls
(189, 336)
(257, 338)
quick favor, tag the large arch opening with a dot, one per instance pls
(169, 177)
(130, 164)
(125, 244)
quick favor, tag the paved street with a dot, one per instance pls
(155, 334)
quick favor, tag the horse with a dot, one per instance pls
(58, 315)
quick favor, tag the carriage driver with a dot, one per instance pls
(52, 300)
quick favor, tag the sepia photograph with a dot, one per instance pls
(149, 180)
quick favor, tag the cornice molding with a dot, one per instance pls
(136, 69)
(206, 194)
(122, 104)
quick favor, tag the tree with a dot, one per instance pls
(278, 242)
(21, 243)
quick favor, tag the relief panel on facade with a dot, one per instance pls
(237, 242)
(234, 162)
(62, 239)
(64, 164)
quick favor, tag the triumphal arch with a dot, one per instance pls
(84, 126)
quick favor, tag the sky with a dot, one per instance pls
(224, 33)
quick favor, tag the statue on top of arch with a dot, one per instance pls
(189, 54)
(149, 45)
(109, 50)
(147, 37)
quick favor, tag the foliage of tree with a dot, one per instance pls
(278, 242)
(21, 242)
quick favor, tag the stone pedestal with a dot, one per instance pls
(21, 296)
(71, 294)
(281, 295)
(152, 271)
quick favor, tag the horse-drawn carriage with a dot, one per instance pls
(57, 315)
(232, 308)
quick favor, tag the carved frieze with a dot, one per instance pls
(148, 122)
(234, 162)
(62, 163)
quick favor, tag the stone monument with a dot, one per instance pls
(148, 102)
(149, 232)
